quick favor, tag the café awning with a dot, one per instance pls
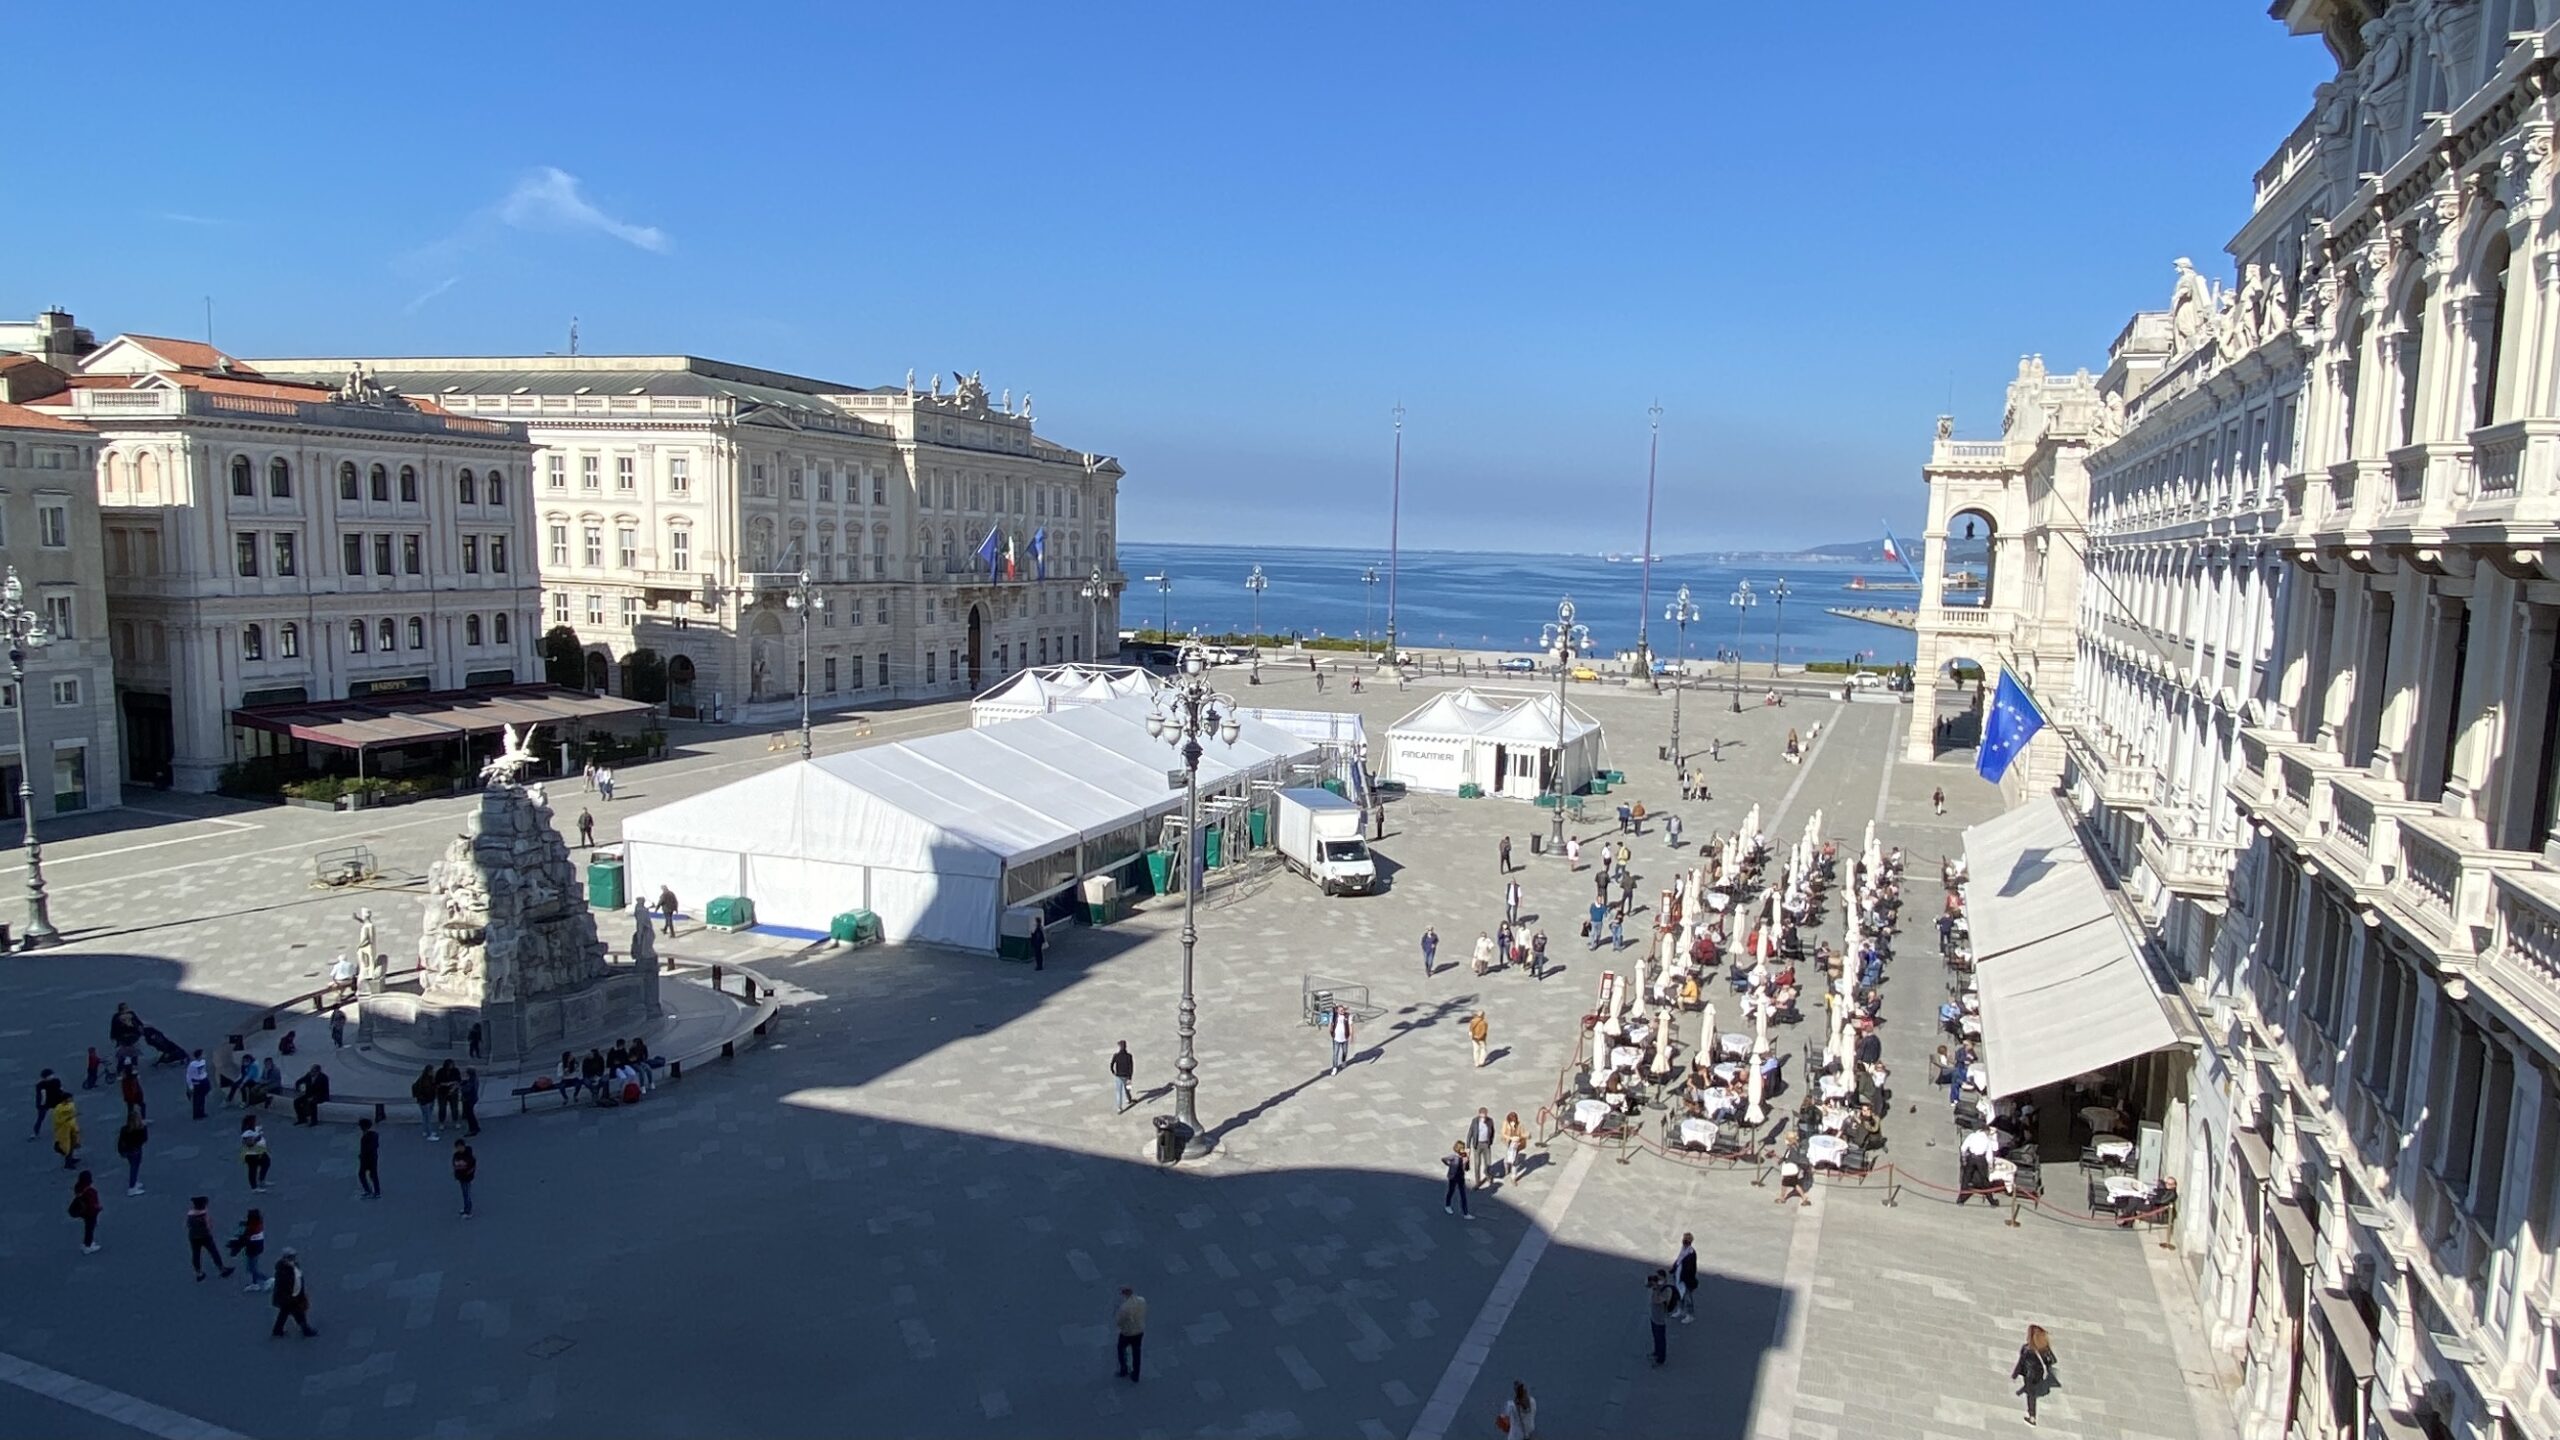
(376, 722)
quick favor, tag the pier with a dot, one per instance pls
(1876, 615)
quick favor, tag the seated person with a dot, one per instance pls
(2135, 1201)
(309, 1094)
(1617, 1094)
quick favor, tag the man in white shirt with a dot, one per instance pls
(1511, 904)
(199, 1082)
(1973, 1163)
(1341, 1038)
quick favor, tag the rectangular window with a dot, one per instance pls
(595, 607)
(593, 535)
(884, 669)
(382, 554)
(555, 471)
(928, 667)
(827, 491)
(409, 486)
(559, 544)
(880, 496)
(560, 607)
(289, 641)
(680, 549)
(244, 552)
(627, 542)
(381, 484)
(624, 476)
(351, 553)
(412, 553)
(57, 617)
(589, 478)
(630, 610)
(680, 476)
(795, 482)
(66, 691)
(881, 614)
(756, 483)
(71, 773)
(470, 554)
(831, 674)
(244, 481)
(347, 482)
(286, 563)
(497, 554)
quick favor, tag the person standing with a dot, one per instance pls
(1938, 798)
(1515, 1146)
(586, 829)
(466, 1168)
(1341, 1037)
(1511, 904)
(86, 1207)
(66, 1132)
(1039, 943)
(1684, 1274)
(589, 770)
(1123, 1066)
(1477, 1030)
(1480, 1136)
(249, 1242)
(1596, 923)
(368, 1159)
(1129, 1320)
(448, 1092)
(1430, 953)
(1573, 852)
(1518, 1417)
(1538, 955)
(50, 1091)
(1455, 1163)
(199, 1082)
(129, 1142)
(471, 1101)
(200, 1244)
(1973, 1167)
(471, 1041)
(1658, 1303)
(254, 1159)
(1618, 927)
(2034, 1370)
(293, 1293)
(1506, 854)
(423, 1091)
(129, 1085)
(667, 910)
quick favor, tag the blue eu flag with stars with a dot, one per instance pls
(2013, 721)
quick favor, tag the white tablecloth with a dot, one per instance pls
(2126, 1187)
(1728, 1070)
(1588, 1114)
(1694, 1131)
(2113, 1147)
(1825, 1150)
(1626, 1057)
(1733, 1042)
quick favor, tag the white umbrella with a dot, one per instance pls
(1599, 1054)
(1661, 1039)
(1642, 957)
(1758, 1112)
(1617, 999)
(1751, 821)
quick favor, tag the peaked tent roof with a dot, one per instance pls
(1524, 720)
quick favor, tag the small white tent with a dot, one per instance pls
(1506, 744)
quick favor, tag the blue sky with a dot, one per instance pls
(1220, 242)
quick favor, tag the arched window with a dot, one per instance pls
(114, 468)
(498, 628)
(496, 480)
(417, 632)
(388, 636)
(471, 630)
(355, 633)
(381, 484)
(244, 478)
(280, 478)
(289, 640)
(146, 475)
(950, 542)
(2408, 357)
(348, 483)
(2489, 316)
(408, 484)
(467, 487)
(253, 642)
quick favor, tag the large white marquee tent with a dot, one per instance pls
(1059, 687)
(939, 836)
(1504, 743)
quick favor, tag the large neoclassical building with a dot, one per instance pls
(675, 502)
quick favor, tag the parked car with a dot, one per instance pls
(1867, 680)
(1669, 667)
(1519, 665)
(1585, 672)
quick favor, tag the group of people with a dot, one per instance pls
(616, 1076)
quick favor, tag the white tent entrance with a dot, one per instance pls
(1503, 744)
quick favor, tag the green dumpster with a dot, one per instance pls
(1215, 848)
(1599, 787)
(1470, 790)
(604, 882)
(1257, 827)
(730, 912)
(854, 927)
(1334, 785)
(1159, 872)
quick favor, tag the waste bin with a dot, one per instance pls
(730, 912)
(1257, 828)
(1159, 872)
(1214, 848)
(854, 927)
(1537, 842)
(1172, 1138)
(604, 882)
(1334, 785)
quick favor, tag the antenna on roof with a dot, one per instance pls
(573, 334)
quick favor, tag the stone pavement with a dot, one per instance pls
(910, 1211)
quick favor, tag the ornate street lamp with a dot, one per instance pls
(1187, 713)
(1368, 601)
(1742, 602)
(1095, 591)
(808, 600)
(1567, 639)
(1682, 613)
(25, 629)
(1163, 582)
(1778, 600)
(1257, 582)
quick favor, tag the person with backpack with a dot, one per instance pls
(2034, 1370)
(200, 1238)
(86, 1207)
(293, 1294)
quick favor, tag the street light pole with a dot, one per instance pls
(1368, 605)
(25, 629)
(1683, 610)
(1742, 602)
(1778, 599)
(1095, 591)
(1257, 582)
(808, 601)
(1566, 638)
(1164, 587)
(1186, 713)
(1644, 597)
(1395, 521)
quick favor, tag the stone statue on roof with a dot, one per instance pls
(971, 391)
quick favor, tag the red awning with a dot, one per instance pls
(375, 722)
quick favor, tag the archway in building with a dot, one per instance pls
(766, 672)
(1972, 536)
(680, 675)
(599, 672)
(977, 645)
(1959, 690)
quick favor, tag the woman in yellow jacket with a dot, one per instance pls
(66, 1133)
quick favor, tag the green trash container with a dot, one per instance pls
(854, 927)
(730, 912)
(604, 882)
(1335, 786)
(1257, 828)
(1599, 787)
(1159, 872)
(1214, 848)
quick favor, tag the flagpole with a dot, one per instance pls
(1395, 524)
(1644, 593)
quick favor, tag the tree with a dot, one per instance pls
(564, 660)
(644, 675)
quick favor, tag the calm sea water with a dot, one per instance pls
(1497, 602)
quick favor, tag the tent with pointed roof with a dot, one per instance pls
(1509, 745)
(1052, 687)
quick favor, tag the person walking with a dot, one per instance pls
(1483, 953)
(1430, 952)
(135, 1134)
(254, 1159)
(50, 1091)
(292, 1294)
(1480, 1138)
(1039, 943)
(1515, 1146)
(1341, 1037)
(368, 1159)
(338, 1027)
(589, 771)
(1506, 854)
(199, 1083)
(1538, 955)
(1938, 798)
(249, 1242)
(1123, 1066)
(86, 1207)
(1658, 1305)
(1573, 852)
(586, 829)
(604, 784)
(1477, 1029)
(1511, 904)
(129, 1087)
(1129, 1321)
(66, 1132)
(466, 1168)
(1455, 1163)
(2034, 1370)
(667, 910)
(423, 1091)
(1518, 1418)
(471, 1101)
(448, 1092)
(1684, 1274)
(200, 1244)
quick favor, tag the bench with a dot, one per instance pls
(568, 1090)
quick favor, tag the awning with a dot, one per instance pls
(375, 722)
(2028, 880)
(2348, 1327)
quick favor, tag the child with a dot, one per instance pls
(97, 1068)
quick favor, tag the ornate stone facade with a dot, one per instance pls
(504, 920)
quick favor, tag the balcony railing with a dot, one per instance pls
(2185, 860)
(2295, 781)
(2408, 479)
(2525, 938)
(1967, 619)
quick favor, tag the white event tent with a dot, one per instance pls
(1058, 687)
(1506, 744)
(938, 836)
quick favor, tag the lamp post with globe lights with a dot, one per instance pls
(1567, 639)
(1778, 601)
(808, 600)
(26, 631)
(1682, 613)
(1189, 712)
(1095, 590)
(1742, 602)
(1257, 582)
(1368, 605)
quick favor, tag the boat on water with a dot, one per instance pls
(1861, 582)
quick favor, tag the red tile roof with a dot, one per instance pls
(186, 354)
(260, 388)
(19, 417)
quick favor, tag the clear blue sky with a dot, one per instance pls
(1217, 241)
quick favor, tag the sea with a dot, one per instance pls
(1483, 600)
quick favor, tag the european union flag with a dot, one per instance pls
(2013, 721)
(989, 551)
(1040, 553)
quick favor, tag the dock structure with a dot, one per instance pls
(1876, 615)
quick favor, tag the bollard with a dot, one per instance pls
(675, 1069)
(728, 1049)
(715, 979)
